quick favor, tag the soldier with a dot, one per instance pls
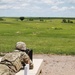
(13, 62)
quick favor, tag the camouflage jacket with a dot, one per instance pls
(16, 60)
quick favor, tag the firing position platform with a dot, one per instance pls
(36, 70)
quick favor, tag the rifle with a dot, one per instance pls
(29, 52)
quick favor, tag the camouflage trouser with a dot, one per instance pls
(4, 70)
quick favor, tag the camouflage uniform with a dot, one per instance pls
(13, 62)
(4, 70)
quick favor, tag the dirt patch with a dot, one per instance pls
(57, 64)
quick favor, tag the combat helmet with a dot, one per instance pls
(20, 46)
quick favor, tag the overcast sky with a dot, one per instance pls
(37, 8)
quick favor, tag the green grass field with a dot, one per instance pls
(48, 36)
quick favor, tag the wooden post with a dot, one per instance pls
(26, 69)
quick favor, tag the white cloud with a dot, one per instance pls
(24, 4)
(16, 7)
(8, 1)
(72, 8)
(53, 2)
(19, 4)
(56, 8)
(13, 4)
(14, 1)
(35, 9)
(5, 6)
(71, 1)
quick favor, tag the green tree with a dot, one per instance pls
(30, 19)
(21, 18)
(1, 19)
(64, 21)
(70, 21)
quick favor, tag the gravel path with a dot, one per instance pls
(57, 64)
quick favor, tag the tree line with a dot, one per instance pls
(67, 21)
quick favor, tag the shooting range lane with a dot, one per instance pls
(36, 70)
